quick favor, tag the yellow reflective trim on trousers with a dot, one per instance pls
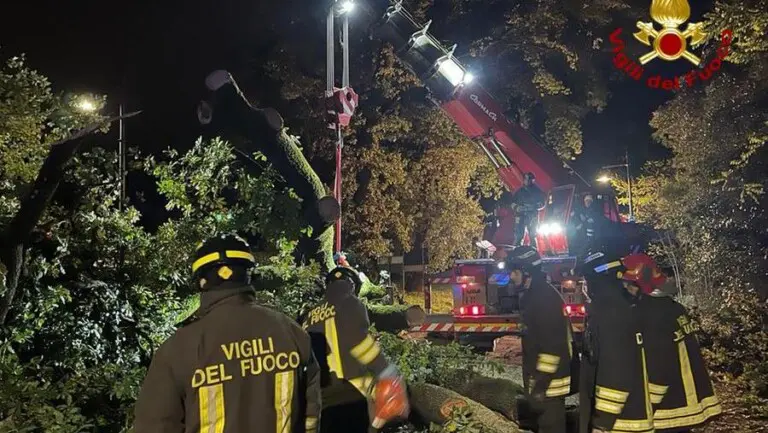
(558, 387)
(708, 408)
(211, 408)
(208, 258)
(656, 398)
(689, 385)
(364, 385)
(310, 424)
(608, 406)
(611, 394)
(334, 358)
(546, 368)
(283, 401)
(549, 359)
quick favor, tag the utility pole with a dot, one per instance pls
(121, 158)
(629, 186)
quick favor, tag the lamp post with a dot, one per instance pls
(342, 8)
(606, 179)
(85, 104)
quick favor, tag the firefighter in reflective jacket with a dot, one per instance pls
(614, 383)
(681, 391)
(547, 341)
(352, 355)
(526, 202)
(238, 366)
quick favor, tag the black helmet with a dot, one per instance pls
(601, 260)
(343, 273)
(524, 258)
(222, 251)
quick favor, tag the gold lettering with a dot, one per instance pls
(284, 364)
(257, 361)
(246, 347)
(269, 366)
(293, 359)
(228, 353)
(245, 364)
(198, 378)
(212, 374)
(224, 376)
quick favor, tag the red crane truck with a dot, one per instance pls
(483, 301)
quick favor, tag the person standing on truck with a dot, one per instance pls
(526, 202)
(614, 381)
(680, 388)
(237, 366)
(351, 358)
(589, 224)
(546, 340)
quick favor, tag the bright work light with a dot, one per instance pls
(347, 7)
(451, 70)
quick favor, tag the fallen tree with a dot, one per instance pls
(435, 404)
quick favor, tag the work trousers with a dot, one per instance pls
(525, 221)
(550, 415)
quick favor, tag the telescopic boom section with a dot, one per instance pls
(511, 148)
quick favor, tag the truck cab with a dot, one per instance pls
(482, 290)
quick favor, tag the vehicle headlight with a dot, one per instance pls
(550, 229)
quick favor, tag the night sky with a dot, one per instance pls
(154, 55)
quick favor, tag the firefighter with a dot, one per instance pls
(613, 381)
(236, 367)
(680, 388)
(526, 203)
(352, 359)
(546, 340)
(588, 223)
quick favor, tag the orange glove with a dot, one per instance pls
(390, 401)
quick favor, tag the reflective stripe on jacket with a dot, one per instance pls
(237, 367)
(621, 394)
(350, 351)
(681, 391)
(546, 341)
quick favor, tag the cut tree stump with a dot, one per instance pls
(500, 395)
(435, 404)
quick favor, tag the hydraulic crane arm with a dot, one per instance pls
(512, 149)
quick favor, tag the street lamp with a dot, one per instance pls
(347, 7)
(606, 179)
(85, 105)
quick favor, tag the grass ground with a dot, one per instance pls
(442, 299)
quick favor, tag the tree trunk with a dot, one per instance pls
(251, 129)
(500, 395)
(395, 318)
(434, 404)
(16, 234)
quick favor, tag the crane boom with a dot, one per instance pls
(511, 148)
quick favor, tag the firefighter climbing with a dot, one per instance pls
(351, 357)
(234, 355)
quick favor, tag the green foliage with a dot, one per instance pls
(424, 361)
(461, 420)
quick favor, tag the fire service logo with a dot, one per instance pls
(670, 44)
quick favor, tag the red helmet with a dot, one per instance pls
(643, 271)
